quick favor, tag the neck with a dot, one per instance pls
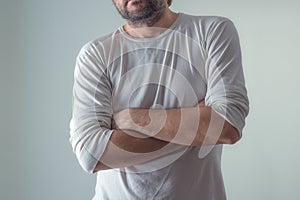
(164, 21)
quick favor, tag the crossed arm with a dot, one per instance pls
(140, 133)
(196, 126)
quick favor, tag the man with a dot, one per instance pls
(155, 101)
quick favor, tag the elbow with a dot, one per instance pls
(230, 135)
(87, 161)
(233, 139)
(87, 167)
(89, 147)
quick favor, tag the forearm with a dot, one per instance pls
(194, 126)
(124, 150)
(136, 144)
(198, 126)
(171, 128)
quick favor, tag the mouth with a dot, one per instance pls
(126, 2)
(135, 2)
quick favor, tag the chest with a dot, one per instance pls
(150, 77)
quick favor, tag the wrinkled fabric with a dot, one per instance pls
(196, 58)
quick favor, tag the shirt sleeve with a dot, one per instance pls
(226, 91)
(90, 126)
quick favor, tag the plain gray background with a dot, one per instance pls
(39, 42)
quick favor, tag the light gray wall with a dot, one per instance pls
(38, 44)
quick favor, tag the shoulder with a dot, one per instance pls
(205, 20)
(95, 43)
(208, 27)
(204, 24)
(98, 44)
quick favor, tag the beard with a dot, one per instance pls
(148, 14)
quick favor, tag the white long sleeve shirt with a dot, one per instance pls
(196, 58)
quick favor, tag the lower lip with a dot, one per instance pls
(130, 1)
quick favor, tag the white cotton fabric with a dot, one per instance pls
(197, 58)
